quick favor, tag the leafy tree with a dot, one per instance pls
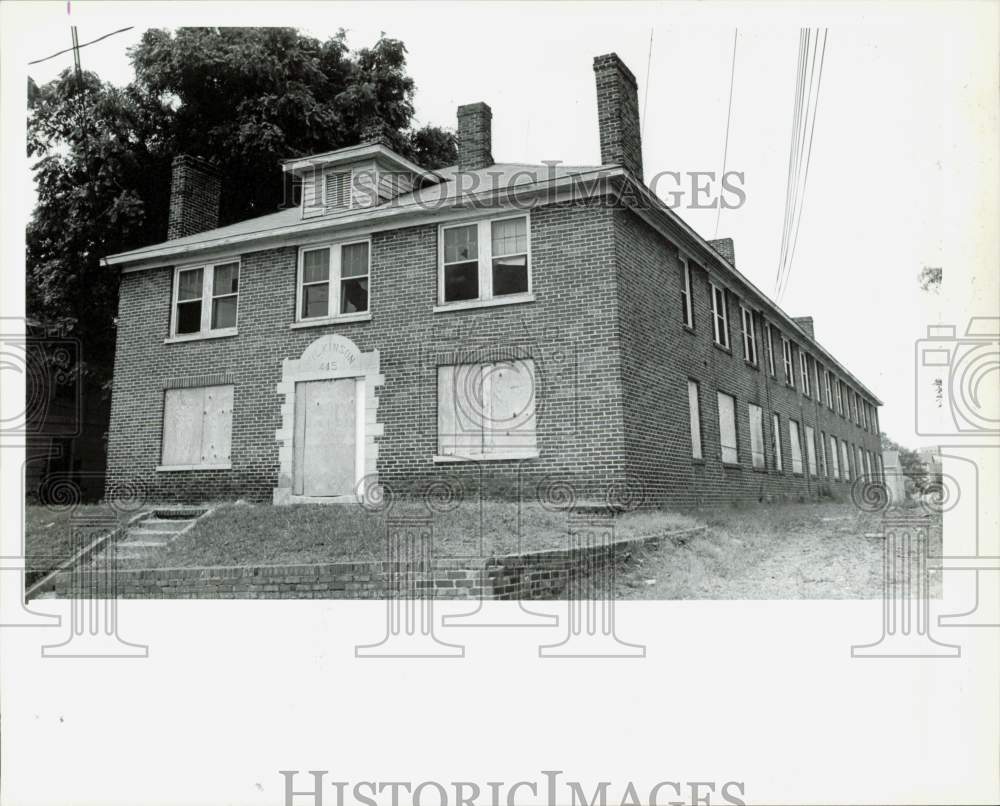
(241, 98)
(911, 465)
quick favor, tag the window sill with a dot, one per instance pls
(751, 364)
(486, 457)
(333, 320)
(717, 346)
(697, 460)
(512, 299)
(732, 465)
(689, 329)
(172, 468)
(215, 334)
(760, 470)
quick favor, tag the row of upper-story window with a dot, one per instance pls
(829, 457)
(837, 395)
(485, 262)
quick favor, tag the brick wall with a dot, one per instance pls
(570, 332)
(618, 114)
(531, 575)
(475, 136)
(195, 189)
(659, 355)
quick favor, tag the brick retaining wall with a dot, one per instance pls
(529, 575)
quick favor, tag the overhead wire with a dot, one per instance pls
(729, 117)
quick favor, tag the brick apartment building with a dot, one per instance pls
(502, 326)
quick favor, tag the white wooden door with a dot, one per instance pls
(325, 441)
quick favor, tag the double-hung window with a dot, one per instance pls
(829, 391)
(749, 337)
(776, 434)
(484, 260)
(840, 398)
(720, 316)
(786, 354)
(727, 428)
(334, 281)
(770, 348)
(487, 411)
(845, 462)
(804, 372)
(794, 437)
(694, 415)
(860, 465)
(197, 428)
(823, 464)
(811, 449)
(205, 300)
(834, 458)
(686, 300)
(757, 436)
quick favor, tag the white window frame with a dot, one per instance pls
(788, 363)
(735, 448)
(829, 389)
(810, 438)
(686, 293)
(804, 372)
(749, 336)
(845, 460)
(795, 441)
(768, 337)
(207, 283)
(335, 252)
(840, 397)
(719, 292)
(484, 239)
(758, 459)
(779, 463)
(694, 419)
(824, 471)
(836, 458)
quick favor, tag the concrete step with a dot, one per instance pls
(164, 524)
(153, 535)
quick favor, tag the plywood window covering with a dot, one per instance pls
(786, 354)
(687, 307)
(823, 466)
(487, 411)
(833, 457)
(770, 348)
(727, 428)
(757, 436)
(860, 465)
(334, 280)
(796, 442)
(337, 190)
(694, 417)
(197, 427)
(779, 462)
(749, 337)
(484, 260)
(811, 449)
(720, 315)
(845, 461)
(206, 299)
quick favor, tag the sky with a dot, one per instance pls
(904, 164)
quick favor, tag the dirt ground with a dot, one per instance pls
(790, 551)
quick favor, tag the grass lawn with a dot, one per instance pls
(790, 551)
(48, 535)
(252, 534)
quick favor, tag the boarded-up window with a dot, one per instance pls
(337, 189)
(834, 458)
(197, 426)
(845, 461)
(727, 428)
(823, 465)
(694, 415)
(860, 466)
(487, 411)
(779, 462)
(796, 442)
(757, 436)
(811, 449)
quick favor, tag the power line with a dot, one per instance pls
(729, 117)
(77, 47)
(645, 94)
(807, 88)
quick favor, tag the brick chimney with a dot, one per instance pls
(806, 323)
(726, 248)
(475, 136)
(377, 131)
(618, 114)
(195, 188)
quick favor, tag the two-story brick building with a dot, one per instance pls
(505, 326)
